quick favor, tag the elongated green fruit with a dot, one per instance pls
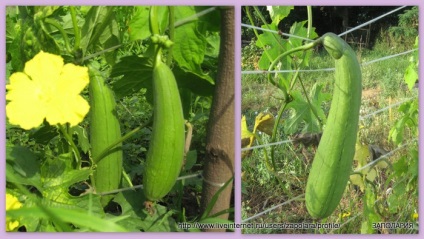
(332, 164)
(166, 149)
(104, 130)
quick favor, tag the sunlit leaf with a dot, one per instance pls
(278, 13)
(264, 122)
(246, 136)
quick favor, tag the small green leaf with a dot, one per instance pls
(302, 117)
(411, 76)
(190, 47)
(191, 159)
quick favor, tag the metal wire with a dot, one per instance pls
(360, 118)
(357, 170)
(327, 69)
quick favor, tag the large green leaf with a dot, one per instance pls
(100, 32)
(139, 25)
(23, 165)
(278, 13)
(200, 84)
(190, 47)
(302, 117)
(135, 72)
(58, 175)
(81, 219)
(273, 46)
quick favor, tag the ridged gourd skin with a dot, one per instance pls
(104, 130)
(333, 160)
(166, 150)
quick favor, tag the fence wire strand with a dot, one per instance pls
(272, 208)
(376, 161)
(326, 69)
(371, 21)
(276, 32)
(360, 118)
(341, 34)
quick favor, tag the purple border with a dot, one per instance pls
(237, 4)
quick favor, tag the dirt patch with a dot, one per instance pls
(370, 93)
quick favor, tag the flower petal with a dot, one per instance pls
(26, 107)
(44, 68)
(73, 78)
(67, 109)
(48, 89)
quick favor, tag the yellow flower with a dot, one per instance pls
(47, 89)
(415, 216)
(246, 136)
(264, 122)
(11, 203)
(345, 214)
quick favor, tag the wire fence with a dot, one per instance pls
(341, 34)
(360, 118)
(369, 165)
(328, 69)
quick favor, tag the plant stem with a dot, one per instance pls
(276, 37)
(309, 10)
(153, 20)
(274, 132)
(106, 22)
(109, 148)
(68, 138)
(249, 15)
(171, 33)
(62, 32)
(309, 102)
(77, 32)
